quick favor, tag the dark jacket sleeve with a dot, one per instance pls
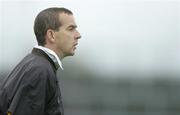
(29, 98)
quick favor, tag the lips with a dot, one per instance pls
(75, 44)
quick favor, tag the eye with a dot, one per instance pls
(71, 28)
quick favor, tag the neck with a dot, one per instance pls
(60, 55)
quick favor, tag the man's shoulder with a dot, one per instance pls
(32, 67)
(35, 63)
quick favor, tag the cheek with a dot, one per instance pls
(65, 41)
(68, 40)
(65, 44)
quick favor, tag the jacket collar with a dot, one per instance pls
(41, 53)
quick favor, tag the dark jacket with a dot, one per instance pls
(32, 87)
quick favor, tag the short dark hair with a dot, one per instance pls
(48, 19)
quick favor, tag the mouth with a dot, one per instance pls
(75, 45)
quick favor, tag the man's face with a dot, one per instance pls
(67, 36)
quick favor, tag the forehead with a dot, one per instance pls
(66, 19)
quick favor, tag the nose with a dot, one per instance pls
(78, 35)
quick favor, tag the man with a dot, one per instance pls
(32, 87)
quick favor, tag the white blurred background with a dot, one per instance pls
(127, 61)
(138, 36)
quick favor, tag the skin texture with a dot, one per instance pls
(64, 41)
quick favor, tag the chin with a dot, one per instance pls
(71, 54)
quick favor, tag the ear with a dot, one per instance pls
(50, 36)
